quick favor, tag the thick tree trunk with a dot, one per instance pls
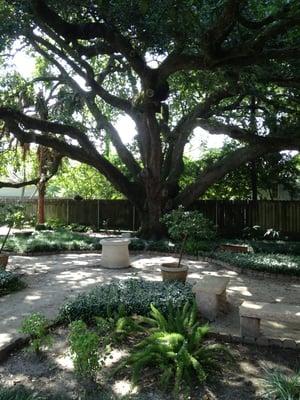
(151, 227)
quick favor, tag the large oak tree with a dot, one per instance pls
(171, 66)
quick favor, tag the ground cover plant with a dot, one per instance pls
(47, 241)
(9, 282)
(273, 263)
(135, 295)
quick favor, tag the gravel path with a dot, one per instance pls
(53, 279)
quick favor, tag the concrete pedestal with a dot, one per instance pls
(115, 253)
(210, 295)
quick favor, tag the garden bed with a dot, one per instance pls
(285, 264)
(52, 375)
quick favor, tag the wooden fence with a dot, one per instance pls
(230, 217)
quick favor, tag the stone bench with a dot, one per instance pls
(251, 314)
(210, 293)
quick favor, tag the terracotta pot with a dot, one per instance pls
(3, 260)
(171, 272)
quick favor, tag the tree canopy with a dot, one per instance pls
(228, 66)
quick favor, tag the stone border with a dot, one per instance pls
(17, 343)
(260, 341)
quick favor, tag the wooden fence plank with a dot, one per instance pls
(229, 217)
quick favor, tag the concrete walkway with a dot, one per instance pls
(53, 279)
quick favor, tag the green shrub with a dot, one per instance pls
(273, 263)
(9, 282)
(279, 247)
(160, 245)
(195, 247)
(84, 346)
(175, 345)
(183, 225)
(135, 295)
(137, 244)
(190, 223)
(36, 325)
(280, 386)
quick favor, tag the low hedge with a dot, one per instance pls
(135, 296)
(273, 263)
(9, 282)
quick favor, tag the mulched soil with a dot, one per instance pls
(52, 374)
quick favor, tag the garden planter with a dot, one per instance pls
(3, 260)
(171, 272)
(115, 253)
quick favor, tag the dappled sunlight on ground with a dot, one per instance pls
(53, 279)
(124, 388)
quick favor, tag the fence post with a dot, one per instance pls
(98, 214)
(133, 218)
(216, 216)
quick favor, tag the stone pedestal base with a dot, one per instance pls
(210, 295)
(250, 326)
(115, 253)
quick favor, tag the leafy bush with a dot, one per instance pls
(9, 282)
(276, 263)
(84, 350)
(137, 244)
(280, 247)
(175, 346)
(193, 224)
(36, 325)
(160, 245)
(135, 295)
(257, 232)
(183, 224)
(195, 247)
(282, 387)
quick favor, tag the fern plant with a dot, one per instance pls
(176, 346)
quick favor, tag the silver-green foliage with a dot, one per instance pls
(176, 346)
(135, 295)
(277, 263)
(36, 325)
(280, 386)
